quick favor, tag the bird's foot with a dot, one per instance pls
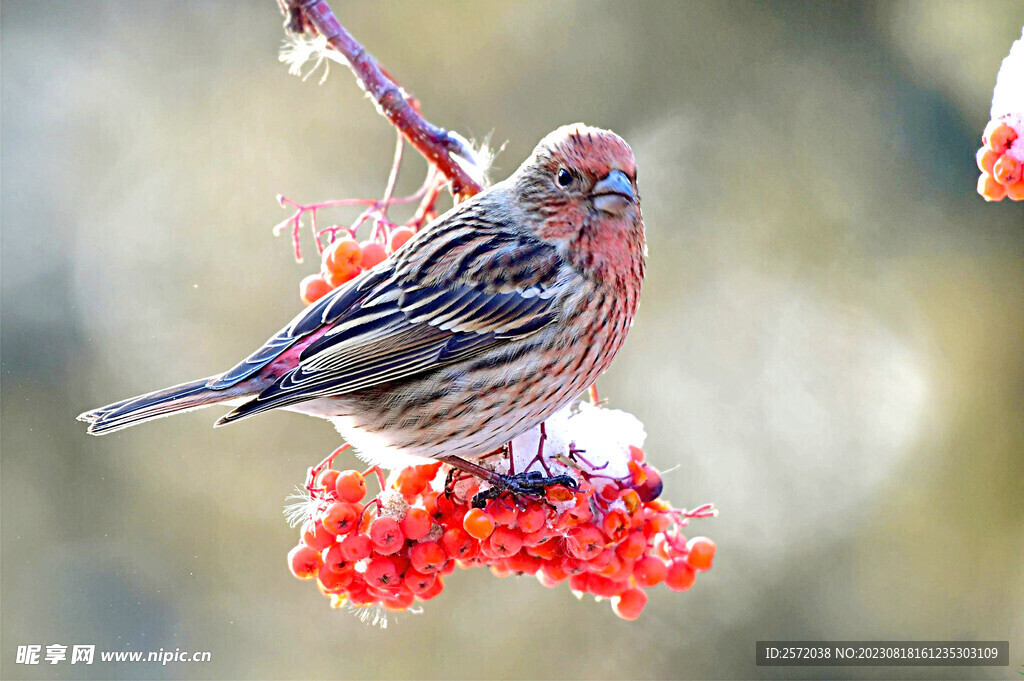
(529, 484)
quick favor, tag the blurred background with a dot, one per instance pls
(830, 346)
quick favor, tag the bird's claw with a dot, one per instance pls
(529, 484)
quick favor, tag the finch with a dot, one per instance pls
(493, 317)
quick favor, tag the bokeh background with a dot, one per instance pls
(830, 345)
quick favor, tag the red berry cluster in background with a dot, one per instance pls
(346, 258)
(1002, 175)
(1001, 158)
(615, 539)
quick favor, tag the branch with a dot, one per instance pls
(437, 145)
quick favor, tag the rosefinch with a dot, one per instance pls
(493, 317)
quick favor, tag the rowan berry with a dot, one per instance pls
(418, 582)
(342, 255)
(614, 566)
(601, 560)
(655, 523)
(427, 557)
(571, 565)
(355, 547)
(327, 481)
(558, 494)
(531, 519)
(502, 511)
(313, 288)
(410, 483)
(439, 506)
(990, 189)
(333, 581)
(524, 562)
(350, 486)
(652, 486)
(478, 523)
(457, 543)
(398, 238)
(580, 582)
(986, 159)
(316, 536)
(604, 587)
(359, 595)
(581, 513)
(428, 471)
(585, 542)
(335, 560)
(546, 580)
(386, 535)
(400, 601)
(624, 572)
(340, 518)
(1006, 171)
(679, 576)
(616, 524)
(631, 499)
(998, 136)
(547, 550)
(629, 604)
(649, 571)
(1015, 192)
(304, 562)
(381, 572)
(372, 253)
(505, 541)
(436, 588)
(536, 538)
(701, 552)
(637, 475)
(416, 524)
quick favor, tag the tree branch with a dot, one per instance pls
(436, 144)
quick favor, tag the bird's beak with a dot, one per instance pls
(614, 193)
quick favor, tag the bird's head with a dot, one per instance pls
(578, 190)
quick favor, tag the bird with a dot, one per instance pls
(494, 316)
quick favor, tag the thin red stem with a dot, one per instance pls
(314, 472)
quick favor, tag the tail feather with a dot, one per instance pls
(173, 400)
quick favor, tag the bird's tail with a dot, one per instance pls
(178, 398)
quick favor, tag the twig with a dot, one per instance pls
(389, 191)
(294, 222)
(437, 145)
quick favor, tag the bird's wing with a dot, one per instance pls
(461, 287)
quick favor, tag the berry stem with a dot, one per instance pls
(389, 191)
(314, 472)
(682, 517)
(295, 220)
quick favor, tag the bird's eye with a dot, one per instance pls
(564, 177)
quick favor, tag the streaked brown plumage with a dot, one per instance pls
(493, 317)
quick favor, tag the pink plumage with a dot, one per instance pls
(493, 317)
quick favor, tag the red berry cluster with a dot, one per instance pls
(610, 538)
(1002, 175)
(345, 258)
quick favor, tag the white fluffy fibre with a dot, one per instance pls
(1008, 95)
